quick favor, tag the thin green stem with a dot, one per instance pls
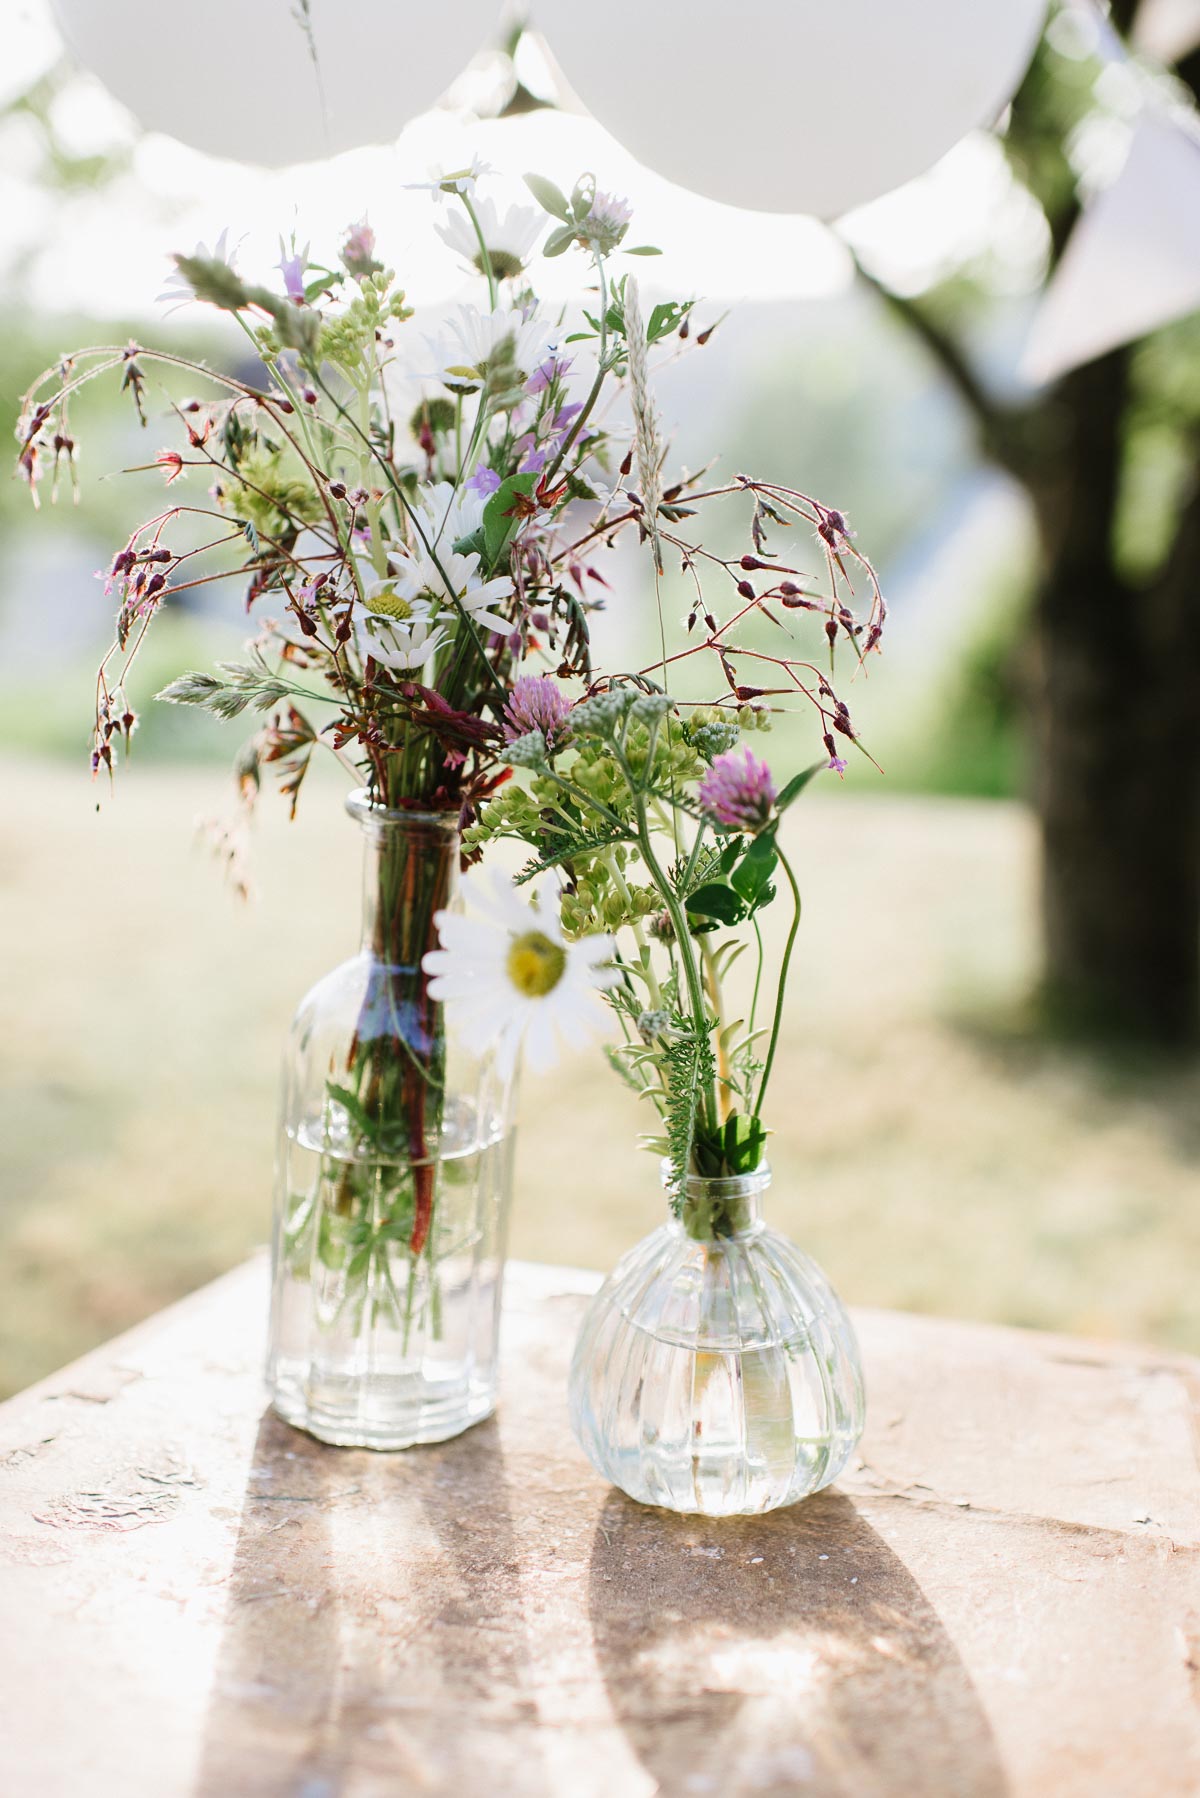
(635, 924)
(485, 256)
(758, 974)
(691, 973)
(597, 385)
(783, 974)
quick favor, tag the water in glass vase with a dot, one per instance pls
(717, 1371)
(393, 1176)
(373, 1344)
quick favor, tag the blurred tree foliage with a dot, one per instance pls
(1110, 457)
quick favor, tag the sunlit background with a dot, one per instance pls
(940, 1145)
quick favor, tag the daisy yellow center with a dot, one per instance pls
(535, 965)
(505, 266)
(390, 605)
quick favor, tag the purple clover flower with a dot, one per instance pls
(537, 702)
(738, 791)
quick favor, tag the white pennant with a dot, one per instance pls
(1133, 259)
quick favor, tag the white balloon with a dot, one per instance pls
(792, 105)
(235, 77)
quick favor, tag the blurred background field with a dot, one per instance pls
(938, 1146)
(931, 1151)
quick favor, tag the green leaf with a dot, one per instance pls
(550, 198)
(665, 318)
(352, 1104)
(752, 876)
(643, 249)
(583, 197)
(729, 855)
(743, 1143)
(715, 900)
(500, 523)
(796, 786)
(690, 1068)
(559, 240)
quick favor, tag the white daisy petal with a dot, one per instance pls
(504, 971)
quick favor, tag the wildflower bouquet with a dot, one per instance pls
(418, 524)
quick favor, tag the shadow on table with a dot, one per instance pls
(739, 1659)
(373, 1628)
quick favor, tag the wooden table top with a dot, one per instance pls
(999, 1598)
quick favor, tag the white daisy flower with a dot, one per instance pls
(508, 977)
(476, 341)
(453, 512)
(450, 181)
(396, 623)
(452, 577)
(178, 290)
(510, 239)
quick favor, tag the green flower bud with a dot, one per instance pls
(600, 716)
(650, 708)
(528, 751)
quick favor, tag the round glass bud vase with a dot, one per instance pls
(717, 1370)
(393, 1176)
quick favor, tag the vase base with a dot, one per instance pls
(692, 1490)
(359, 1422)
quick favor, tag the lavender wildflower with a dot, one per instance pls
(606, 223)
(485, 480)
(292, 269)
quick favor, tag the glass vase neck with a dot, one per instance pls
(712, 1210)
(410, 871)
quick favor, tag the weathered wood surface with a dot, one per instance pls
(1001, 1597)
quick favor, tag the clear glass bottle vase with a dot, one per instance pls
(717, 1370)
(393, 1176)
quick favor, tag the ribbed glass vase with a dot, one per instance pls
(717, 1370)
(393, 1176)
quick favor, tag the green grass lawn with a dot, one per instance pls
(929, 1151)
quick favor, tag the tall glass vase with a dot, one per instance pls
(717, 1370)
(393, 1176)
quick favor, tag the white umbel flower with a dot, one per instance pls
(475, 342)
(510, 239)
(509, 979)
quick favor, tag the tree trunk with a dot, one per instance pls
(1119, 737)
